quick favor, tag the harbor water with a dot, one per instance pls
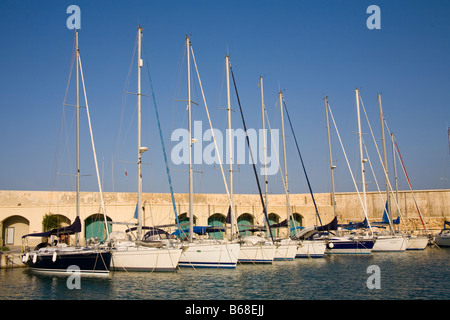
(421, 275)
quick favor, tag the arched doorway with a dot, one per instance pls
(244, 221)
(274, 219)
(296, 223)
(13, 228)
(183, 219)
(95, 227)
(216, 220)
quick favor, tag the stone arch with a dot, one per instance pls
(296, 222)
(94, 227)
(217, 220)
(244, 221)
(63, 222)
(184, 220)
(274, 219)
(13, 228)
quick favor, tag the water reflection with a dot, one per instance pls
(407, 275)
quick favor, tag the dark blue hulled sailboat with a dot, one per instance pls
(59, 257)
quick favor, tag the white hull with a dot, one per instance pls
(210, 255)
(257, 253)
(311, 249)
(390, 243)
(417, 243)
(140, 258)
(286, 250)
(443, 239)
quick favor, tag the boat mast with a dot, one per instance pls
(191, 181)
(383, 141)
(288, 205)
(266, 183)
(230, 145)
(78, 135)
(141, 150)
(332, 167)
(395, 172)
(361, 151)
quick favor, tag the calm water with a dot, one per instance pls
(404, 276)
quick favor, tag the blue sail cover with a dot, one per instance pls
(199, 230)
(385, 219)
(75, 227)
(354, 225)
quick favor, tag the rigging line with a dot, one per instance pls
(162, 143)
(212, 129)
(382, 164)
(63, 120)
(303, 165)
(251, 154)
(378, 187)
(409, 182)
(62, 126)
(281, 171)
(124, 96)
(406, 175)
(350, 169)
(93, 150)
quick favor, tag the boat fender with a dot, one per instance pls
(25, 257)
(330, 245)
(54, 256)
(35, 258)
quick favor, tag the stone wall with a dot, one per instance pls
(23, 210)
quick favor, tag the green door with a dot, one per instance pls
(274, 219)
(244, 222)
(216, 220)
(95, 227)
(296, 223)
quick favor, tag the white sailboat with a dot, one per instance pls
(442, 239)
(415, 241)
(287, 248)
(351, 244)
(208, 253)
(253, 248)
(296, 246)
(60, 257)
(388, 242)
(138, 254)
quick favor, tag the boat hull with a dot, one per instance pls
(349, 246)
(86, 262)
(210, 255)
(139, 258)
(442, 240)
(417, 243)
(257, 253)
(390, 244)
(286, 250)
(311, 249)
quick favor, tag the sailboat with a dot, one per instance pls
(287, 247)
(153, 251)
(254, 248)
(343, 244)
(391, 242)
(305, 247)
(415, 241)
(59, 257)
(203, 253)
(442, 239)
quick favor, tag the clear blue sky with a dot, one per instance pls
(309, 49)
